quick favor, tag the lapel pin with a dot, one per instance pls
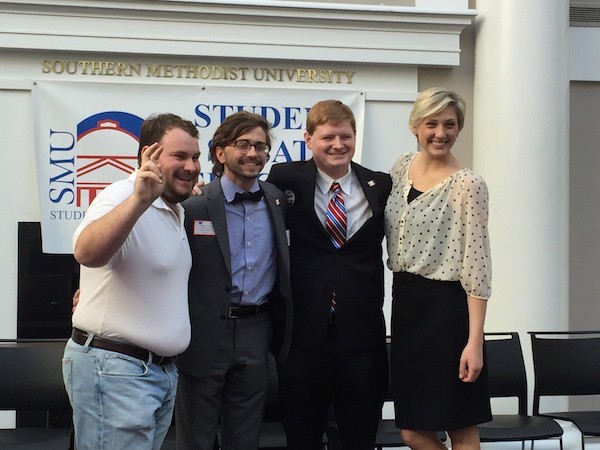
(291, 197)
(371, 183)
(277, 201)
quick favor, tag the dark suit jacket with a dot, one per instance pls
(210, 278)
(356, 269)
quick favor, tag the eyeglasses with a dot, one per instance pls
(244, 145)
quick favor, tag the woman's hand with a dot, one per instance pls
(471, 363)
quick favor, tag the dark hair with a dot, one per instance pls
(155, 127)
(233, 127)
(329, 111)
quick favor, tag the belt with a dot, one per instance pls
(241, 312)
(80, 337)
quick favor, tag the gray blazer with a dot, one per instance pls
(210, 278)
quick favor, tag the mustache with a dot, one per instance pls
(257, 160)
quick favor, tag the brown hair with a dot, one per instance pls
(329, 111)
(233, 127)
(155, 127)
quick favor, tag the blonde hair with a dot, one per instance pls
(432, 101)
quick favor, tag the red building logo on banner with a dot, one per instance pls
(107, 145)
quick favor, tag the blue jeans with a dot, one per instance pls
(119, 402)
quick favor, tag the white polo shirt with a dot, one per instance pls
(141, 295)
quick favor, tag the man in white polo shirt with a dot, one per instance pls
(132, 317)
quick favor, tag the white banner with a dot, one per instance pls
(86, 136)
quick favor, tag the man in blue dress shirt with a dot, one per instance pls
(239, 292)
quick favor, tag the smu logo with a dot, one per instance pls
(107, 145)
(103, 151)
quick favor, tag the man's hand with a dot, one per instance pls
(101, 239)
(153, 152)
(76, 299)
(149, 182)
(196, 189)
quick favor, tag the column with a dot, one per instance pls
(521, 148)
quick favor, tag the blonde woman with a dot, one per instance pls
(437, 237)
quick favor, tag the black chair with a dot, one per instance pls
(388, 435)
(507, 378)
(31, 380)
(567, 363)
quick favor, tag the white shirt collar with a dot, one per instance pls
(324, 181)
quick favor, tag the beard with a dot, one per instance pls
(250, 172)
(173, 196)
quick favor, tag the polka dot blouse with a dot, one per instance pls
(442, 234)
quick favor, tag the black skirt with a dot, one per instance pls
(430, 327)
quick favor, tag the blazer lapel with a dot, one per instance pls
(274, 205)
(307, 183)
(368, 187)
(216, 211)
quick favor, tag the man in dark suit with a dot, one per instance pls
(338, 353)
(239, 296)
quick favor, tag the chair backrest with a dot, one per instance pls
(565, 363)
(506, 368)
(31, 375)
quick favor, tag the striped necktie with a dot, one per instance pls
(335, 222)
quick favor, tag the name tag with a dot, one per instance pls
(203, 228)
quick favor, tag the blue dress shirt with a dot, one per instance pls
(252, 246)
